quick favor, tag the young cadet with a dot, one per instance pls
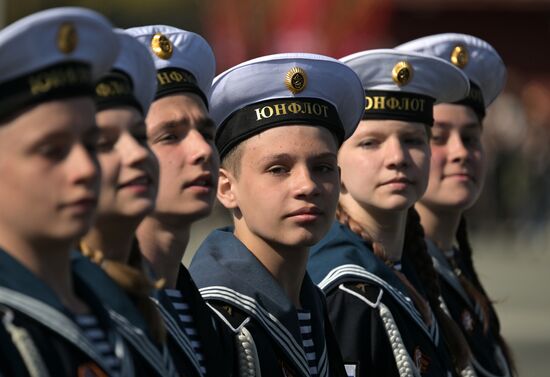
(456, 178)
(48, 194)
(180, 133)
(372, 261)
(280, 121)
(129, 177)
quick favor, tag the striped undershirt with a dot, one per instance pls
(186, 319)
(91, 329)
(304, 319)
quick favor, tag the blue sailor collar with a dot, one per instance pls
(171, 317)
(341, 246)
(107, 290)
(343, 256)
(225, 270)
(123, 312)
(15, 276)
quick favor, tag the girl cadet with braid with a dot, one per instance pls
(456, 178)
(48, 194)
(372, 261)
(280, 121)
(129, 177)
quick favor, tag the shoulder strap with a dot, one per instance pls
(369, 294)
(233, 318)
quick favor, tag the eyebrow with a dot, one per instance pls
(286, 156)
(202, 123)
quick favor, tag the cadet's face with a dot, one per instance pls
(181, 134)
(129, 169)
(458, 160)
(385, 164)
(288, 186)
(50, 176)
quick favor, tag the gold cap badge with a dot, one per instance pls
(296, 80)
(161, 45)
(402, 73)
(67, 38)
(459, 56)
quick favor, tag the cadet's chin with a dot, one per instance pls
(309, 239)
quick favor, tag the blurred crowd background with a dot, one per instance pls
(510, 225)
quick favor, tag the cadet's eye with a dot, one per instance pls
(438, 139)
(54, 151)
(415, 140)
(471, 140)
(277, 170)
(104, 145)
(326, 168)
(368, 143)
(167, 138)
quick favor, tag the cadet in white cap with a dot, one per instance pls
(281, 119)
(129, 177)
(457, 173)
(373, 266)
(181, 134)
(48, 194)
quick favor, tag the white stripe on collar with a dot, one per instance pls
(359, 272)
(65, 327)
(277, 330)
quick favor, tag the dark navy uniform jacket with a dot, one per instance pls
(251, 303)
(488, 358)
(150, 358)
(28, 304)
(380, 331)
(216, 341)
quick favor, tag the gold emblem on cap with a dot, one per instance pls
(296, 80)
(67, 38)
(402, 73)
(161, 45)
(459, 56)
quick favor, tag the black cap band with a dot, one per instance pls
(177, 80)
(410, 107)
(474, 100)
(69, 79)
(258, 117)
(114, 90)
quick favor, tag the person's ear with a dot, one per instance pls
(227, 194)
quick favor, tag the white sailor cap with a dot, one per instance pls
(275, 90)
(55, 53)
(477, 58)
(184, 60)
(404, 86)
(132, 79)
